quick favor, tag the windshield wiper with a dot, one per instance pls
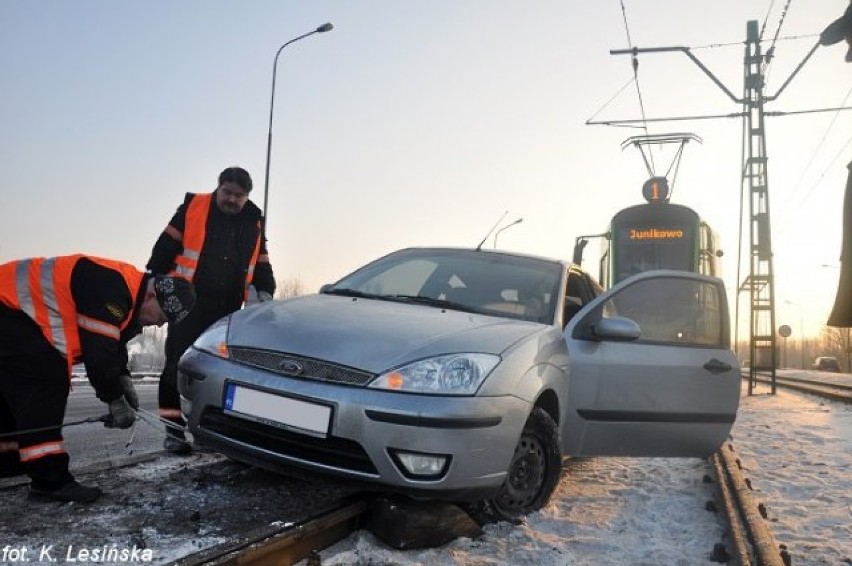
(432, 301)
(351, 293)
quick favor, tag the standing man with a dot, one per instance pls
(841, 315)
(55, 312)
(216, 240)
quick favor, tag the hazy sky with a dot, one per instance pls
(410, 124)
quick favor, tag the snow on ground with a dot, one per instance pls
(796, 449)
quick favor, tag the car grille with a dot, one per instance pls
(311, 369)
(330, 451)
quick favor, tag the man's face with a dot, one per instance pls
(231, 198)
(150, 313)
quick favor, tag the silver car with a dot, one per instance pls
(467, 375)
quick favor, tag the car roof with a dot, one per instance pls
(462, 251)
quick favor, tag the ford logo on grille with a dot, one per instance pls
(290, 367)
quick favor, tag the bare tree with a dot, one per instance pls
(289, 287)
(832, 342)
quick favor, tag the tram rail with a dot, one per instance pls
(751, 540)
(751, 536)
(840, 392)
(288, 543)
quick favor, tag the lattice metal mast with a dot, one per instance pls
(760, 283)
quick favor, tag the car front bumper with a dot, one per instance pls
(367, 429)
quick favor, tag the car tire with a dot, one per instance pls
(533, 473)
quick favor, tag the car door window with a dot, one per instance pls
(672, 311)
(672, 389)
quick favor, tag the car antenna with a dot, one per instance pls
(499, 220)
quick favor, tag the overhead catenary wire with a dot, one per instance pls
(740, 43)
(635, 64)
(822, 139)
(608, 102)
(639, 124)
(766, 19)
(770, 52)
(676, 164)
(795, 203)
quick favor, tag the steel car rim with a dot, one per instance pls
(524, 481)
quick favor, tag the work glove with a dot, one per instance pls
(257, 296)
(129, 391)
(120, 414)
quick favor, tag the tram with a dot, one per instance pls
(655, 235)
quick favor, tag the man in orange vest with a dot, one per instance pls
(55, 312)
(216, 240)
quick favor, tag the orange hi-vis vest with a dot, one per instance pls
(194, 232)
(41, 288)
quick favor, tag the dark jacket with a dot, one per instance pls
(224, 260)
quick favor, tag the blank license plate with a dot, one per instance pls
(278, 409)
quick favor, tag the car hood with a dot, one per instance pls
(369, 334)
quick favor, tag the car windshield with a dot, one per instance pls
(475, 281)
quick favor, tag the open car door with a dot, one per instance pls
(651, 371)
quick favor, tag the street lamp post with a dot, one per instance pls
(321, 29)
(518, 221)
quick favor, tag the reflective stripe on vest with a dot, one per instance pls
(41, 450)
(194, 232)
(41, 288)
(167, 413)
(98, 327)
(37, 296)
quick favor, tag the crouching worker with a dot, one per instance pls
(55, 312)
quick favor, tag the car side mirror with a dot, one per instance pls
(325, 288)
(617, 329)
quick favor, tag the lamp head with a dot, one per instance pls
(325, 27)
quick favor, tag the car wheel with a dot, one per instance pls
(533, 472)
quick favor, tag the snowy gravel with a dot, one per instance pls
(797, 451)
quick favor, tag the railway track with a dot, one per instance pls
(752, 541)
(277, 542)
(829, 390)
(751, 537)
(286, 544)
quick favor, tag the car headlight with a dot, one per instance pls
(453, 374)
(214, 340)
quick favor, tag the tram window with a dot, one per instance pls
(635, 257)
(672, 310)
